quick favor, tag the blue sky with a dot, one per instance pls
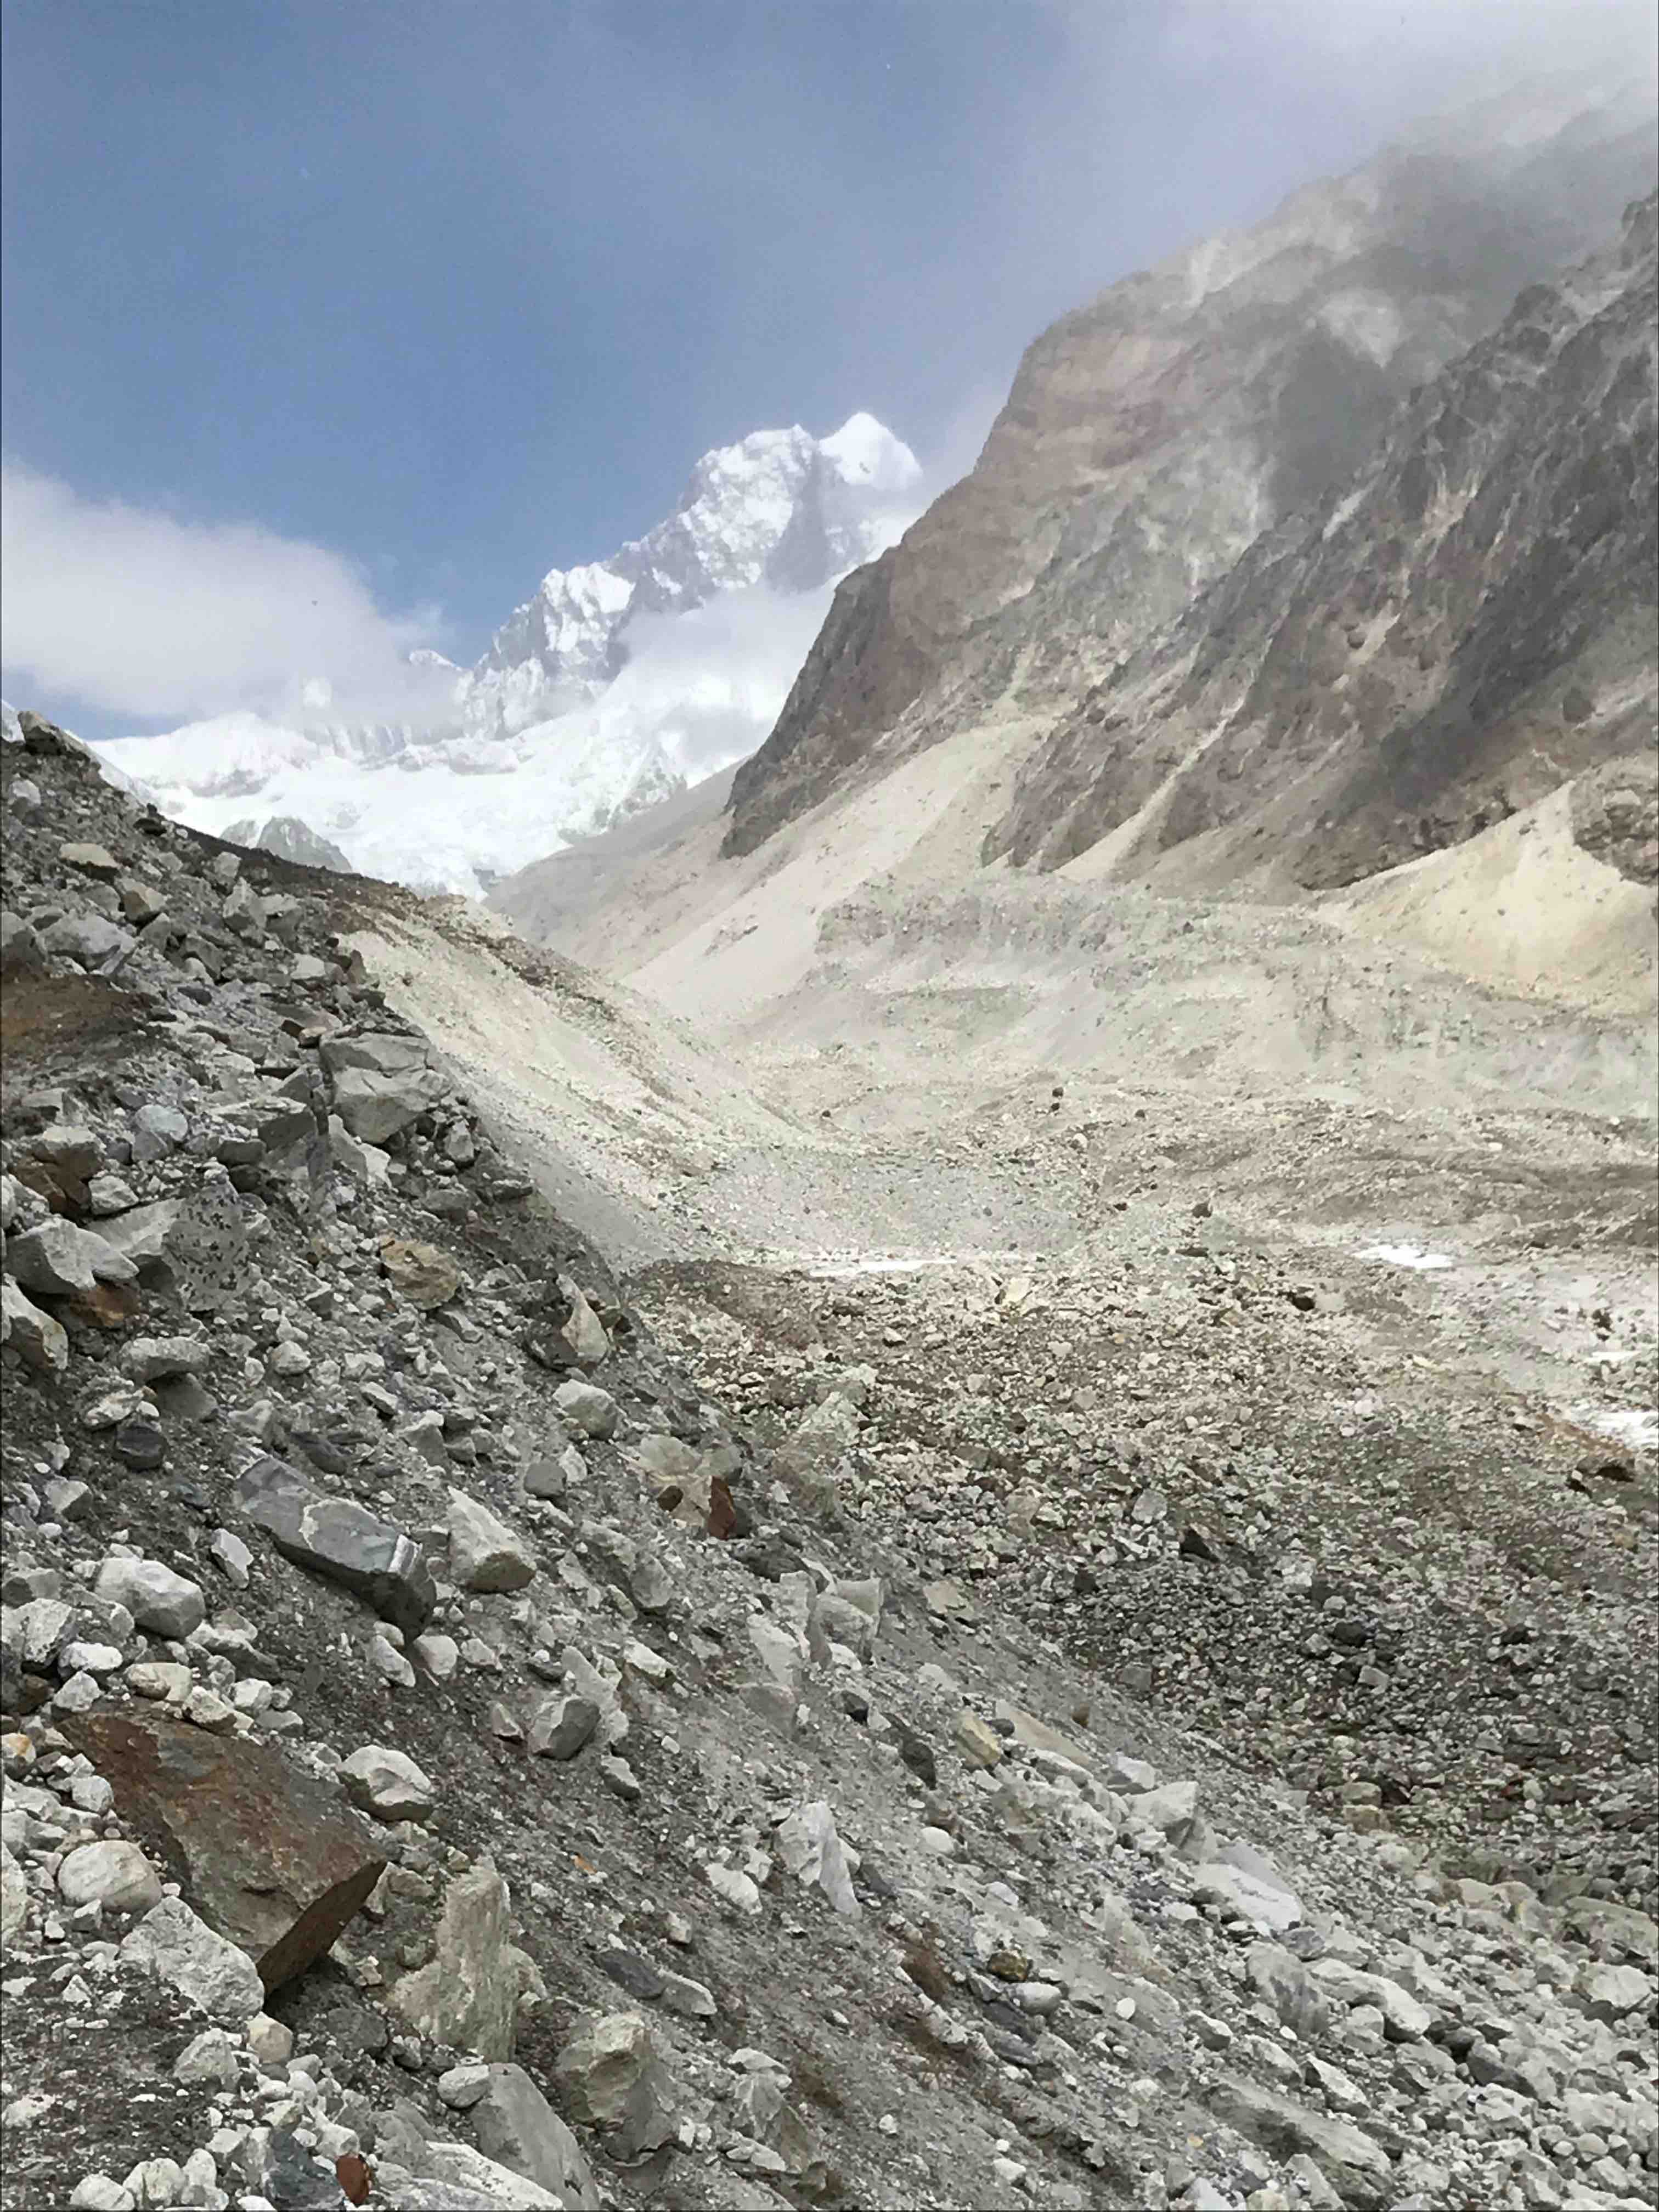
(401, 305)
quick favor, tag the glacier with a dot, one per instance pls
(619, 683)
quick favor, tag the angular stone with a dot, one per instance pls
(586, 1408)
(59, 1258)
(262, 1850)
(40, 1340)
(808, 1846)
(1404, 2019)
(341, 1540)
(171, 1943)
(976, 1739)
(165, 1603)
(485, 1553)
(562, 1725)
(157, 1359)
(86, 938)
(468, 1996)
(1272, 1909)
(14, 1897)
(1279, 1975)
(426, 1276)
(387, 1784)
(610, 2076)
(516, 2126)
(1351, 2161)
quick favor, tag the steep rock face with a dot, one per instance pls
(1151, 436)
(1466, 628)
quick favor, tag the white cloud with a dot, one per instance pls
(130, 612)
(708, 683)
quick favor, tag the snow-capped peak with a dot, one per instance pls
(618, 681)
(866, 452)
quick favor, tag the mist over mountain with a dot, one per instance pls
(616, 685)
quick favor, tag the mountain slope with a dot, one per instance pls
(1150, 437)
(616, 685)
(1468, 626)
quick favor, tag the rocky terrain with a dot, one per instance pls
(1467, 626)
(590, 1622)
(1152, 436)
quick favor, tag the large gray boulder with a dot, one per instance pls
(468, 1994)
(171, 1943)
(165, 1603)
(381, 1083)
(610, 2076)
(516, 2126)
(342, 1540)
(485, 1553)
(60, 1259)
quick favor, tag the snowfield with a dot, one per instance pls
(620, 683)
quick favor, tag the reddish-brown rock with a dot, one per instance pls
(264, 1852)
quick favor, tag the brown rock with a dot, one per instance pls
(264, 1852)
(426, 1276)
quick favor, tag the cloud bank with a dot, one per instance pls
(133, 613)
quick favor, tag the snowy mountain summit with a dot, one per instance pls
(781, 509)
(619, 683)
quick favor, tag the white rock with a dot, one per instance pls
(185, 1952)
(384, 1783)
(165, 1603)
(114, 1875)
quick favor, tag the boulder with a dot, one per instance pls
(808, 1846)
(516, 2126)
(1279, 1975)
(468, 1996)
(116, 1875)
(426, 1276)
(387, 1784)
(14, 1897)
(60, 1259)
(586, 1408)
(485, 1553)
(1356, 2166)
(262, 1848)
(171, 1943)
(39, 1341)
(343, 1541)
(610, 2076)
(160, 1600)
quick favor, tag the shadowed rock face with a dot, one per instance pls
(1152, 436)
(266, 1854)
(1469, 626)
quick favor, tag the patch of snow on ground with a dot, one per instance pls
(1405, 1255)
(1637, 1427)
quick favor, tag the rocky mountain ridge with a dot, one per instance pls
(1151, 437)
(1465, 625)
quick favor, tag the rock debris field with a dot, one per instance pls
(1160, 1715)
